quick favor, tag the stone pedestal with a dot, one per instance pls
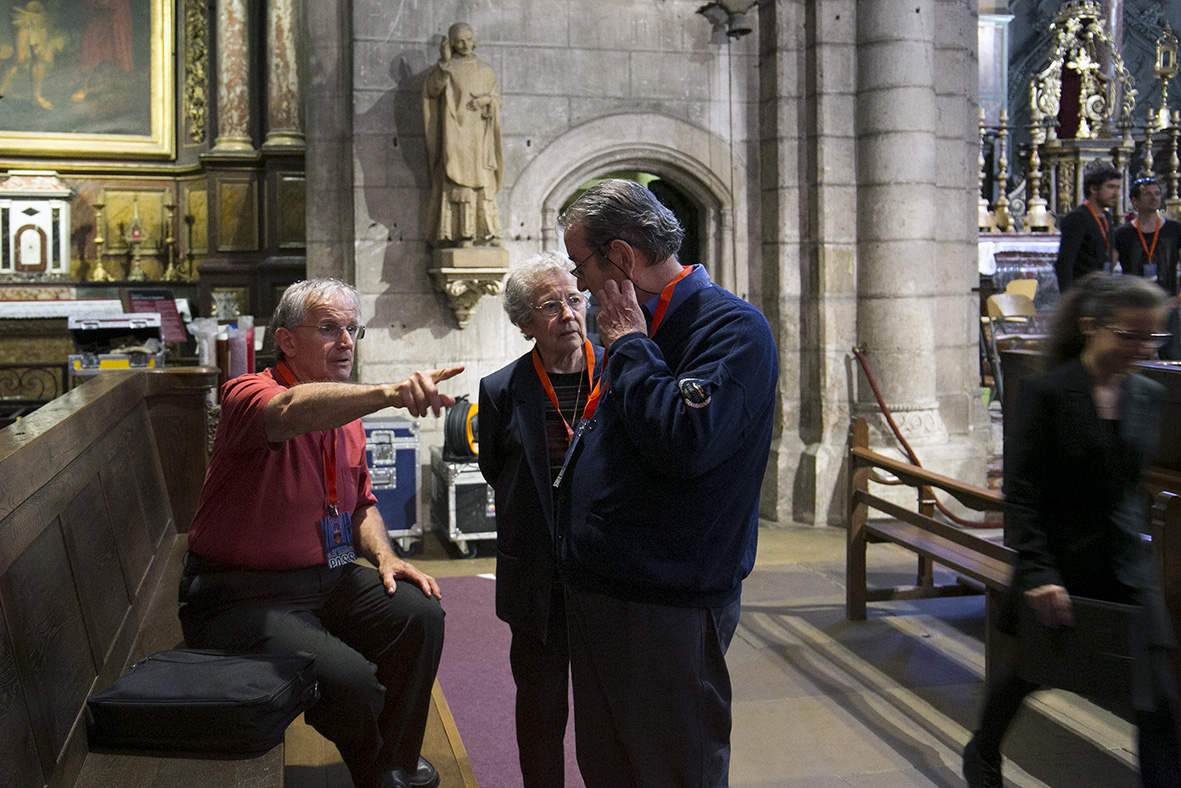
(464, 274)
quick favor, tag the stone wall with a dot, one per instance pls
(587, 88)
(826, 200)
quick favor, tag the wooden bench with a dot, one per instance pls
(983, 566)
(96, 491)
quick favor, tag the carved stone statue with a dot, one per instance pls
(461, 107)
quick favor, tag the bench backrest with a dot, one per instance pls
(866, 465)
(93, 487)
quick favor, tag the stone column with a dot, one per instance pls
(957, 306)
(284, 108)
(332, 239)
(233, 78)
(897, 211)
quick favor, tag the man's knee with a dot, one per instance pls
(424, 616)
(418, 634)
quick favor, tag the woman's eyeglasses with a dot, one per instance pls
(554, 308)
(1156, 340)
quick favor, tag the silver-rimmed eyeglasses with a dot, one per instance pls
(554, 308)
(332, 330)
(1154, 340)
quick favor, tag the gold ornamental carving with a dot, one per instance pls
(1164, 70)
(1080, 44)
(196, 67)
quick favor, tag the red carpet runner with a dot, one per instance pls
(478, 685)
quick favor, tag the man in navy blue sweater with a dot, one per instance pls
(659, 498)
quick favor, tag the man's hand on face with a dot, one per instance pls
(619, 312)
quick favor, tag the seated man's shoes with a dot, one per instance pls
(980, 772)
(395, 779)
(425, 776)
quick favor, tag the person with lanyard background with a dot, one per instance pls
(1150, 246)
(659, 499)
(528, 412)
(285, 509)
(1086, 231)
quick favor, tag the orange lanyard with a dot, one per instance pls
(1155, 237)
(549, 387)
(329, 461)
(666, 295)
(1102, 222)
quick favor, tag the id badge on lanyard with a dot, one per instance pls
(336, 527)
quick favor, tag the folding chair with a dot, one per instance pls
(1025, 287)
(1005, 311)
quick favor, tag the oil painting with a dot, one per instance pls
(86, 78)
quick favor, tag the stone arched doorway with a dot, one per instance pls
(695, 163)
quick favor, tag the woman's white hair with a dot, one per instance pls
(525, 278)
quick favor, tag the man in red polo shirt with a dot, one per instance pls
(285, 510)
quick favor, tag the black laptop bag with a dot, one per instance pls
(194, 701)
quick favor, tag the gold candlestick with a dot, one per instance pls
(171, 273)
(134, 236)
(99, 273)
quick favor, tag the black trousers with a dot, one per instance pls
(651, 692)
(1160, 754)
(376, 653)
(541, 671)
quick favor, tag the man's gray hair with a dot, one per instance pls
(525, 278)
(300, 297)
(616, 208)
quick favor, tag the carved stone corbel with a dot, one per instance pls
(463, 275)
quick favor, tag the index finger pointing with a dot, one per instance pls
(439, 375)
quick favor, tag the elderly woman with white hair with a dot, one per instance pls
(528, 413)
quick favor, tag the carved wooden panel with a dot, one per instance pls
(182, 461)
(18, 750)
(290, 211)
(197, 202)
(94, 555)
(122, 499)
(39, 599)
(145, 469)
(237, 216)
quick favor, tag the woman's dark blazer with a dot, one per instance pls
(1074, 507)
(515, 461)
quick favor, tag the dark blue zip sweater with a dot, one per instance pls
(663, 495)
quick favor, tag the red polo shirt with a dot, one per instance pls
(262, 502)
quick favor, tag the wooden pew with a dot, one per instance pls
(96, 491)
(984, 566)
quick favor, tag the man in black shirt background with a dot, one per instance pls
(1086, 231)
(1150, 246)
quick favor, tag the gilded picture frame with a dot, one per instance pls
(87, 78)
